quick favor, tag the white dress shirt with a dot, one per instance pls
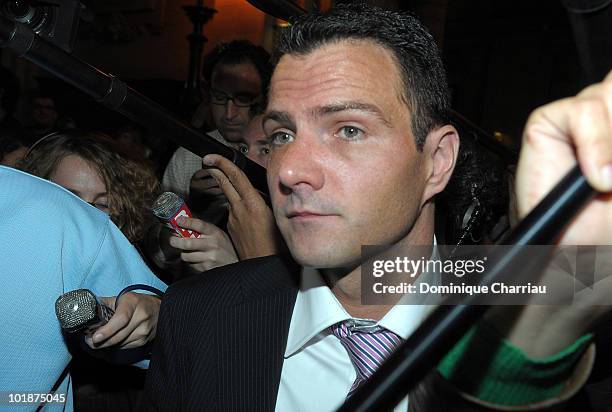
(183, 164)
(317, 372)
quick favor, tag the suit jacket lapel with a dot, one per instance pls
(253, 336)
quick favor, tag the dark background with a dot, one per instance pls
(504, 57)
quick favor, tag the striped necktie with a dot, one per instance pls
(367, 348)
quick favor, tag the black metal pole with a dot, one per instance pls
(424, 349)
(115, 94)
(281, 9)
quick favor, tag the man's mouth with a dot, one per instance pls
(306, 214)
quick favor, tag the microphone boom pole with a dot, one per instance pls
(424, 349)
(115, 94)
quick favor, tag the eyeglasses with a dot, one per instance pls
(240, 100)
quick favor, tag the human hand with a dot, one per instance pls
(576, 129)
(211, 249)
(164, 235)
(133, 325)
(203, 184)
(251, 223)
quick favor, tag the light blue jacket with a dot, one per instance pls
(51, 242)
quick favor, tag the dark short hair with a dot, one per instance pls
(237, 52)
(424, 80)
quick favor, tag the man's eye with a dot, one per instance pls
(265, 151)
(280, 138)
(350, 133)
(243, 149)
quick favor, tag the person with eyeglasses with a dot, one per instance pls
(231, 112)
(237, 75)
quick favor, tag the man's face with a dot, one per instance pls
(44, 112)
(240, 83)
(344, 168)
(256, 141)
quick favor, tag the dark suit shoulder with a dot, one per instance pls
(222, 336)
(231, 285)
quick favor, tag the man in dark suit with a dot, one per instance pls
(361, 144)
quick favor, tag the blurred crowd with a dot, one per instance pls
(122, 172)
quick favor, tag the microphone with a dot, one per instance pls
(80, 310)
(168, 207)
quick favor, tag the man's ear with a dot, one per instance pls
(440, 150)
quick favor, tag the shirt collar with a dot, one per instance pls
(404, 319)
(215, 134)
(317, 308)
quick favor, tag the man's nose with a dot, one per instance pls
(300, 165)
(231, 110)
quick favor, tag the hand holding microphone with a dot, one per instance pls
(81, 311)
(168, 207)
(202, 246)
(131, 324)
(212, 249)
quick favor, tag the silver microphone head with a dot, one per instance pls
(167, 205)
(80, 309)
